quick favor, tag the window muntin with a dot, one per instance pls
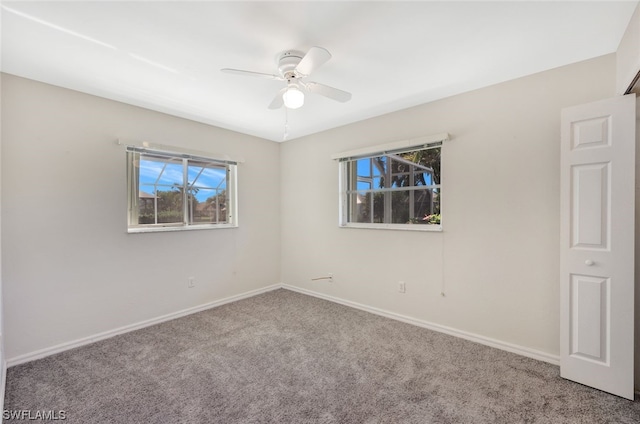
(391, 190)
(173, 191)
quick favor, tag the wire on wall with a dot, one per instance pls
(442, 267)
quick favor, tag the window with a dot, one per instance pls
(172, 191)
(399, 189)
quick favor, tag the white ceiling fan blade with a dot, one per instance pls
(325, 90)
(278, 101)
(251, 74)
(315, 57)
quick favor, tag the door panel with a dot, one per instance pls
(590, 206)
(597, 180)
(589, 318)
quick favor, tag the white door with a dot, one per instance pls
(597, 188)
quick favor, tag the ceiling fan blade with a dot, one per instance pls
(325, 90)
(278, 101)
(315, 57)
(251, 74)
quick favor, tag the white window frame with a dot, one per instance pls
(402, 146)
(133, 192)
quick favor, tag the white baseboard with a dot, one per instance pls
(509, 347)
(32, 356)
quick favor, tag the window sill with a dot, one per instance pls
(161, 229)
(400, 227)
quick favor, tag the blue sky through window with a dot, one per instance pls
(370, 176)
(162, 175)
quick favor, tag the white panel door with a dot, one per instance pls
(597, 177)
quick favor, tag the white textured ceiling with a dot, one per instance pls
(167, 56)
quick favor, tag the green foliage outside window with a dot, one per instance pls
(402, 188)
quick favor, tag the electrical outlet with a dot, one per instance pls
(402, 288)
(191, 282)
(330, 277)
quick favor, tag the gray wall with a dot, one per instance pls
(497, 259)
(70, 270)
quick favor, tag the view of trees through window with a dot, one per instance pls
(177, 191)
(402, 188)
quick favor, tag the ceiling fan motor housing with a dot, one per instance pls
(287, 63)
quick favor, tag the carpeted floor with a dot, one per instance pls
(283, 357)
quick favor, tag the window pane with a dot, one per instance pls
(207, 206)
(400, 207)
(162, 171)
(364, 167)
(436, 206)
(400, 181)
(366, 207)
(207, 200)
(423, 205)
(146, 207)
(206, 175)
(423, 178)
(378, 207)
(160, 190)
(169, 207)
(429, 160)
(360, 207)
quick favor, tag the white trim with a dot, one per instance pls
(487, 341)
(393, 146)
(42, 353)
(162, 148)
(232, 187)
(179, 227)
(402, 227)
(343, 209)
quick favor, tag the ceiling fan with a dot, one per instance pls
(294, 67)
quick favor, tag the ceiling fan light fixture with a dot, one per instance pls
(293, 67)
(293, 98)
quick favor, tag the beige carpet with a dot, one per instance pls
(283, 357)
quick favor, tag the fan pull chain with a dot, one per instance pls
(286, 124)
